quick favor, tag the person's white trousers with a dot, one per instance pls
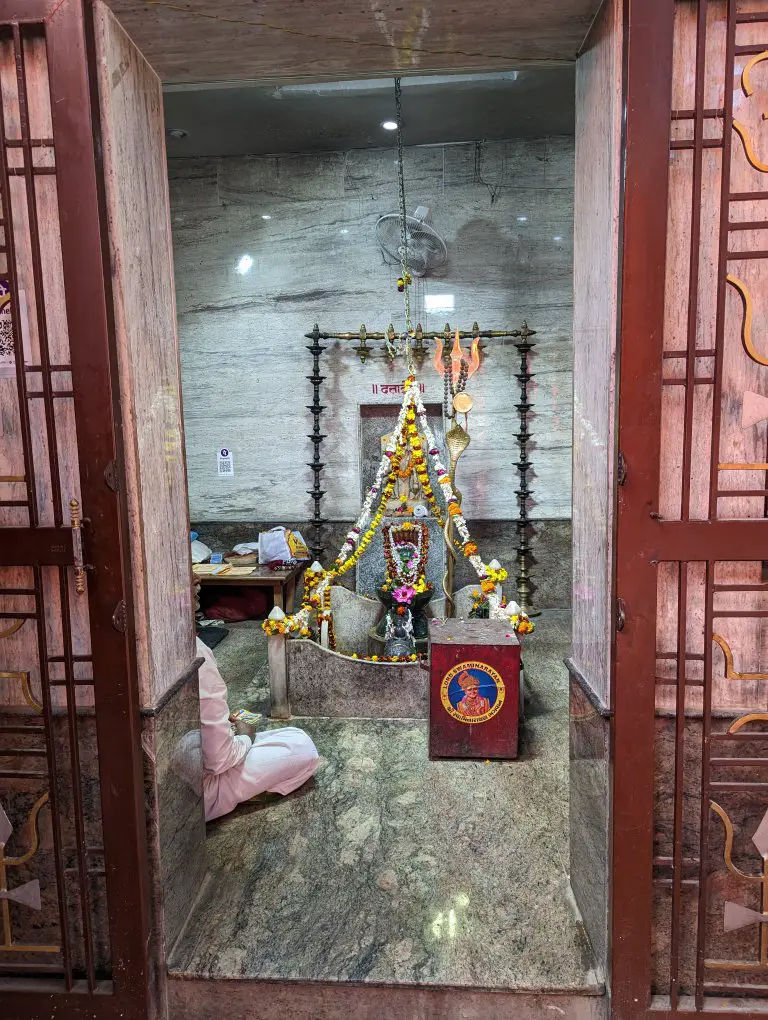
(278, 762)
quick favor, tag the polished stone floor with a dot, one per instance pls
(389, 868)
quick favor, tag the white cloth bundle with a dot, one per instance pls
(281, 544)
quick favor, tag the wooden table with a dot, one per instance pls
(281, 581)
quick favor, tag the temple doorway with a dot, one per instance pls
(391, 867)
(389, 410)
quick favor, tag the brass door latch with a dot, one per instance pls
(77, 545)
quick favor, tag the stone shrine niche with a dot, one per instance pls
(409, 491)
(377, 422)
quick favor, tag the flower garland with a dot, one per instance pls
(317, 584)
(422, 470)
(298, 623)
(480, 611)
(389, 458)
(326, 616)
(361, 534)
(414, 569)
(413, 657)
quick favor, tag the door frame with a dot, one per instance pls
(68, 28)
(647, 99)
(643, 538)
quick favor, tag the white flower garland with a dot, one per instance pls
(404, 573)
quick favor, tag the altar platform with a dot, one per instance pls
(444, 882)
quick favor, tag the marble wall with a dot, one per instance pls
(200, 999)
(596, 255)
(173, 791)
(322, 683)
(588, 803)
(308, 222)
(142, 292)
(596, 245)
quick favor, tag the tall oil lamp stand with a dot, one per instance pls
(316, 438)
(525, 530)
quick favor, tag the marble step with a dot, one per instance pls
(243, 999)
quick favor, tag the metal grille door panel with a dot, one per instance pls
(73, 930)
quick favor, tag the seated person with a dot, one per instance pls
(238, 765)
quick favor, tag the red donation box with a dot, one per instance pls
(474, 699)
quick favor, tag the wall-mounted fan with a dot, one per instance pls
(426, 250)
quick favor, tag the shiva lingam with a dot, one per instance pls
(405, 591)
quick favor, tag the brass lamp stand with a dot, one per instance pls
(525, 558)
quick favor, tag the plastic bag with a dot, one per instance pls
(244, 548)
(279, 545)
(297, 545)
(273, 546)
(200, 552)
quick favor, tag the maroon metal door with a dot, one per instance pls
(690, 798)
(74, 903)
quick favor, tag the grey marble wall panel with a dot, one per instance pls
(589, 738)
(551, 546)
(195, 183)
(597, 247)
(505, 211)
(321, 683)
(178, 862)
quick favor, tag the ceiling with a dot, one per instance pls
(230, 40)
(243, 119)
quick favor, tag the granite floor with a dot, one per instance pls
(389, 868)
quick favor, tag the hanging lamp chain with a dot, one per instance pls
(403, 230)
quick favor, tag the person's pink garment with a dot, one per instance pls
(278, 761)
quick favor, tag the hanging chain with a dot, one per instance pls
(406, 338)
(401, 185)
